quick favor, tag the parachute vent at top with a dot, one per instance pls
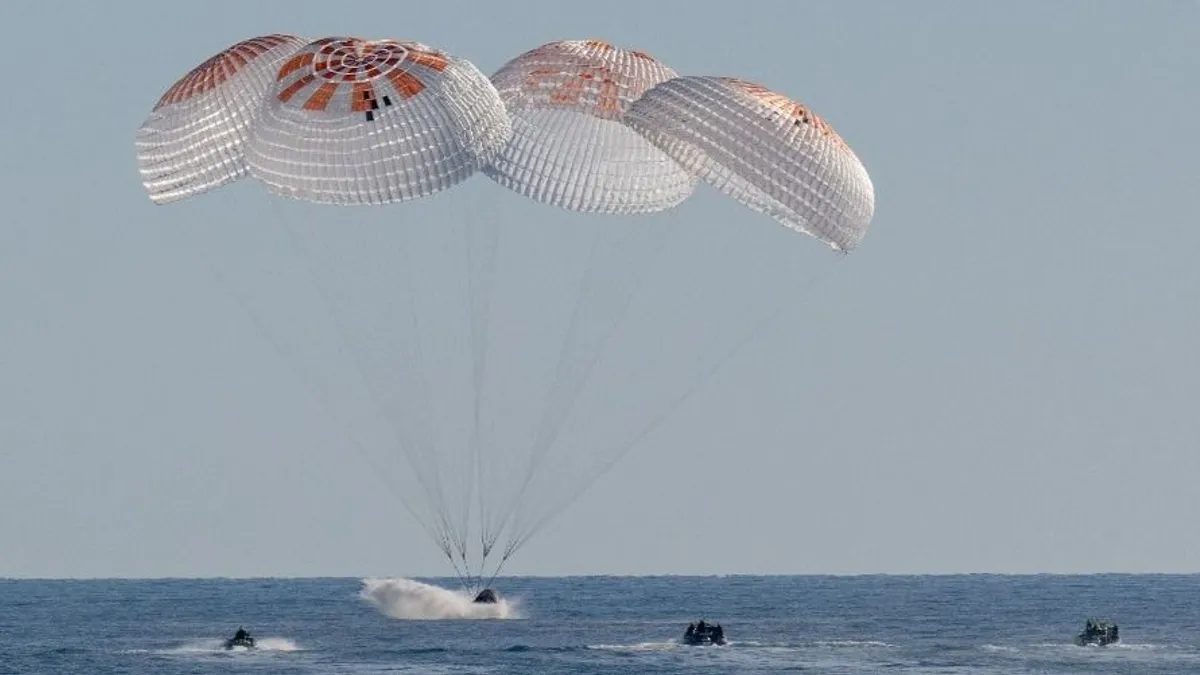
(193, 140)
(352, 121)
(569, 148)
(763, 149)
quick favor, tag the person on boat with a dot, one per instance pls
(241, 634)
(691, 631)
(700, 627)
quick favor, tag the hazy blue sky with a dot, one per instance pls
(1004, 377)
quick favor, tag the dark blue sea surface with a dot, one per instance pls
(867, 624)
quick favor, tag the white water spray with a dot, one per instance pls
(408, 599)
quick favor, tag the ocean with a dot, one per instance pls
(968, 624)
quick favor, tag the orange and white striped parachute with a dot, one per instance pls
(568, 146)
(194, 139)
(352, 121)
(767, 151)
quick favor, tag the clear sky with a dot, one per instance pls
(1003, 378)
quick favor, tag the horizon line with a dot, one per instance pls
(659, 575)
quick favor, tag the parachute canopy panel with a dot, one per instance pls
(569, 148)
(352, 121)
(193, 140)
(763, 149)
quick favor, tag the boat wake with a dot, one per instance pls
(408, 599)
(217, 646)
(638, 647)
(1119, 652)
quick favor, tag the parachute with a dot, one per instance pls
(569, 148)
(326, 134)
(194, 139)
(511, 363)
(764, 150)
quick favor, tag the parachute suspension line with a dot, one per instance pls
(509, 549)
(320, 394)
(480, 309)
(467, 479)
(509, 508)
(385, 476)
(425, 414)
(464, 576)
(468, 580)
(499, 566)
(439, 528)
(585, 291)
(550, 427)
(521, 536)
(424, 426)
(565, 391)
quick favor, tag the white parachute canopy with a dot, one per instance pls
(353, 121)
(568, 148)
(194, 139)
(764, 150)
